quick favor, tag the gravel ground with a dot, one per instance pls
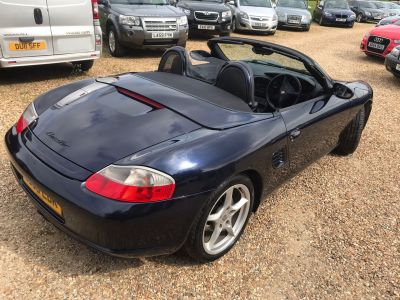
(331, 232)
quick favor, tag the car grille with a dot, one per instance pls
(206, 15)
(340, 16)
(294, 19)
(263, 19)
(160, 24)
(377, 40)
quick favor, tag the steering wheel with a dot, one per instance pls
(283, 91)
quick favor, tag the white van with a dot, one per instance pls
(36, 32)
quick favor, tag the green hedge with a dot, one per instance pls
(311, 6)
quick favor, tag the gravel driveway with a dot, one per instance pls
(332, 231)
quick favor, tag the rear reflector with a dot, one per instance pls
(140, 98)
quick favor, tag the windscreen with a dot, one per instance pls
(256, 3)
(262, 56)
(292, 4)
(367, 5)
(340, 4)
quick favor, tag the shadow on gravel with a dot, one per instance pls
(33, 74)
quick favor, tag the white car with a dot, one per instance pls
(254, 15)
(36, 32)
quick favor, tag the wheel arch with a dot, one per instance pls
(256, 179)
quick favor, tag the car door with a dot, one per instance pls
(72, 26)
(318, 10)
(25, 28)
(314, 128)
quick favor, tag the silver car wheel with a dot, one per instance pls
(226, 219)
(111, 41)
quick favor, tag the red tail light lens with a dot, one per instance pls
(131, 184)
(26, 118)
(95, 6)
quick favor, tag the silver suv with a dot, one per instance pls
(142, 24)
(38, 32)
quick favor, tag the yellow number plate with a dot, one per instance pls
(17, 46)
(46, 199)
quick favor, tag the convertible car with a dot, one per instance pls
(143, 164)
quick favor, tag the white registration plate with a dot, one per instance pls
(340, 20)
(376, 46)
(377, 18)
(294, 21)
(398, 67)
(206, 27)
(162, 35)
(259, 24)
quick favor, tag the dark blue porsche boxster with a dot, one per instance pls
(148, 163)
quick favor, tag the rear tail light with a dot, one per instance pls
(98, 40)
(95, 7)
(131, 184)
(26, 118)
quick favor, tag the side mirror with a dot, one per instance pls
(231, 2)
(342, 91)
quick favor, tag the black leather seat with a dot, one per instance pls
(237, 78)
(174, 60)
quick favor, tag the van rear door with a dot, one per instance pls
(72, 26)
(25, 28)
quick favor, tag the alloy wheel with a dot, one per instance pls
(226, 219)
(111, 41)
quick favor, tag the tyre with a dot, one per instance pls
(114, 46)
(359, 18)
(222, 220)
(351, 25)
(228, 33)
(321, 21)
(85, 65)
(307, 28)
(234, 29)
(351, 135)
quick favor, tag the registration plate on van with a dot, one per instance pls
(31, 46)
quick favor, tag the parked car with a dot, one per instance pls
(366, 11)
(210, 16)
(293, 14)
(38, 32)
(181, 160)
(390, 9)
(140, 24)
(334, 12)
(392, 61)
(388, 20)
(380, 41)
(254, 15)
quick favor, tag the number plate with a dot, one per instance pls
(340, 20)
(162, 35)
(206, 27)
(45, 198)
(377, 18)
(398, 67)
(376, 46)
(259, 24)
(293, 21)
(17, 46)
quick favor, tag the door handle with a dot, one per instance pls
(37, 13)
(295, 134)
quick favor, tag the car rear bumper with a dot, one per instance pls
(117, 228)
(48, 59)
(392, 64)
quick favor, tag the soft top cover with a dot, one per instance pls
(199, 101)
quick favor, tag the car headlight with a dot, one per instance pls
(327, 14)
(186, 11)
(367, 13)
(243, 15)
(353, 16)
(226, 14)
(280, 14)
(274, 18)
(129, 20)
(182, 20)
(396, 51)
